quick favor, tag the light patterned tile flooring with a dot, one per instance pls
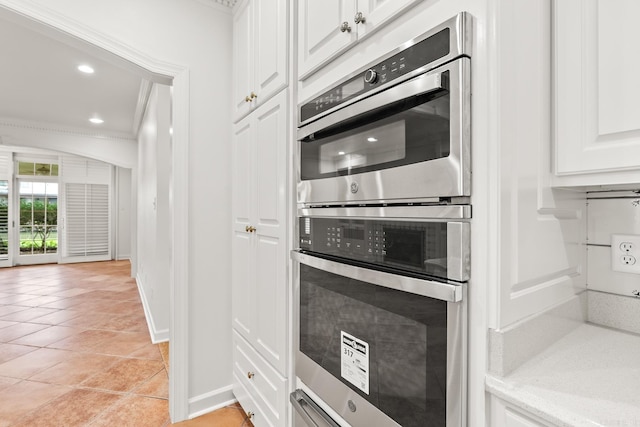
(75, 351)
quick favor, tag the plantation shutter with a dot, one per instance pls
(4, 205)
(87, 220)
(4, 166)
(87, 206)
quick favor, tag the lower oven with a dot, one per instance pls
(381, 318)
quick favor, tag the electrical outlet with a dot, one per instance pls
(625, 250)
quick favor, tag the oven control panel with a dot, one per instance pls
(419, 55)
(406, 245)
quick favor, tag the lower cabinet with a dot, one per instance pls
(502, 414)
(259, 388)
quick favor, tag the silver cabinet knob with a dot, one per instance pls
(345, 27)
(359, 18)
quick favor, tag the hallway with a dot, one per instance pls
(75, 351)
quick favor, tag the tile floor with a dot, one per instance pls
(75, 351)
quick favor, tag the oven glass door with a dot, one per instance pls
(388, 346)
(413, 130)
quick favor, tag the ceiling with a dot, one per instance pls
(41, 86)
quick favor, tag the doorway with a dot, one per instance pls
(37, 222)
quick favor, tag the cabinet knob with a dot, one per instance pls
(250, 374)
(249, 229)
(247, 99)
(359, 18)
(250, 415)
(252, 229)
(345, 27)
(246, 228)
(253, 95)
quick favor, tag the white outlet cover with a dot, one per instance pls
(625, 248)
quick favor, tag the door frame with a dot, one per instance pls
(177, 76)
(17, 258)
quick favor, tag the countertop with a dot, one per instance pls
(590, 377)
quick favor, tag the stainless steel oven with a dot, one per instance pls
(396, 131)
(381, 316)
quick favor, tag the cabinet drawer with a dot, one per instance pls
(249, 404)
(264, 384)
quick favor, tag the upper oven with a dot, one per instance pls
(398, 131)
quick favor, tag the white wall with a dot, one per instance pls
(196, 35)
(123, 213)
(153, 227)
(116, 151)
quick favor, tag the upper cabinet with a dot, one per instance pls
(329, 27)
(596, 92)
(260, 30)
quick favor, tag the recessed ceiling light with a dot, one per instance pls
(341, 153)
(96, 121)
(86, 69)
(372, 139)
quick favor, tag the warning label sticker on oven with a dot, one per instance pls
(355, 361)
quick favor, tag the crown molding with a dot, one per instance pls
(227, 3)
(221, 5)
(50, 127)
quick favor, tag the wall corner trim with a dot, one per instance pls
(209, 402)
(157, 335)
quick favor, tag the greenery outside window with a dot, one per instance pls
(38, 218)
(37, 169)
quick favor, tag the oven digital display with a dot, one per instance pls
(352, 88)
(405, 247)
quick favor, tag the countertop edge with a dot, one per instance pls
(543, 409)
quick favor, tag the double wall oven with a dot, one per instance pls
(384, 227)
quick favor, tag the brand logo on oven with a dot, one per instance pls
(354, 187)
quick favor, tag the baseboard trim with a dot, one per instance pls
(209, 402)
(157, 336)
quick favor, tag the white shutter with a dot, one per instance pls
(87, 220)
(87, 216)
(79, 169)
(4, 166)
(5, 158)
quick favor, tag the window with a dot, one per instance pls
(37, 169)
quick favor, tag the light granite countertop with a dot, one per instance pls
(590, 377)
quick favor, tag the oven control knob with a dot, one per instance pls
(370, 76)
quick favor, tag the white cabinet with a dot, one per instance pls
(260, 29)
(329, 27)
(259, 280)
(596, 92)
(259, 388)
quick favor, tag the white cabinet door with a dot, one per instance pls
(597, 114)
(259, 230)
(242, 58)
(378, 12)
(319, 35)
(270, 48)
(243, 307)
(260, 47)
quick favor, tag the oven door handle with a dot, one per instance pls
(425, 83)
(428, 288)
(300, 401)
